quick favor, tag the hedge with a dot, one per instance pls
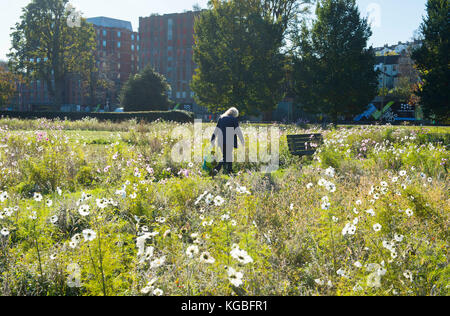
(175, 116)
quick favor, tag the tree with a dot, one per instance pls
(46, 46)
(334, 71)
(8, 85)
(237, 51)
(285, 12)
(146, 91)
(432, 60)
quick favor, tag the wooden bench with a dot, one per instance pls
(304, 144)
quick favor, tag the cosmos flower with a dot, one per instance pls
(84, 210)
(3, 196)
(37, 197)
(377, 227)
(89, 235)
(54, 219)
(191, 251)
(158, 262)
(235, 277)
(218, 201)
(158, 292)
(241, 255)
(330, 172)
(349, 229)
(206, 257)
(409, 212)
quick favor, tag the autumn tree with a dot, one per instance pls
(8, 84)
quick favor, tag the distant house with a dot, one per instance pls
(389, 71)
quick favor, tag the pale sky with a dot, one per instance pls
(395, 20)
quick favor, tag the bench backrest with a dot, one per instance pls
(304, 144)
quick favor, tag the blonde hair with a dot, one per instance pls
(231, 112)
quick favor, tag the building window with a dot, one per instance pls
(105, 32)
(104, 43)
(169, 29)
(132, 37)
(118, 44)
(132, 48)
(119, 34)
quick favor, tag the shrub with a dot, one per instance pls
(175, 116)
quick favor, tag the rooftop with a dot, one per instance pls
(109, 22)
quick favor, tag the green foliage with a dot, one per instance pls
(45, 47)
(237, 50)
(432, 60)
(334, 71)
(146, 91)
(86, 177)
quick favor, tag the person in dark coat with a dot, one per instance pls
(227, 133)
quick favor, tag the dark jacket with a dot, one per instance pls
(224, 123)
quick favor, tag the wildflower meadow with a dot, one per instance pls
(100, 208)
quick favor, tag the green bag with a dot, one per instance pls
(210, 161)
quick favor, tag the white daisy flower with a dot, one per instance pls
(377, 227)
(235, 277)
(84, 210)
(37, 197)
(206, 257)
(192, 251)
(89, 234)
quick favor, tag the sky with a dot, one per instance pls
(393, 20)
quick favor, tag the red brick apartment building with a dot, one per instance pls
(166, 44)
(117, 47)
